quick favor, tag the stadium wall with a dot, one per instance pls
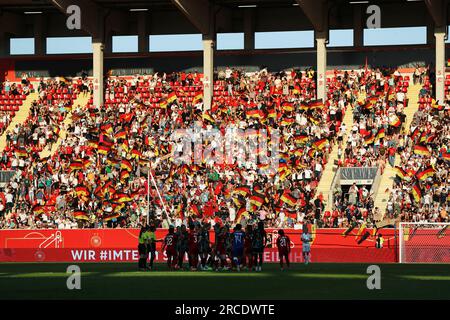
(120, 245)
(274, 60)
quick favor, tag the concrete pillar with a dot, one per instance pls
(40, 45)
(208, 70)
(439, 34)
(143, 34)
(321, 40)
(108, 45)
(40, 41)
(5, 44)
(358, 29)
(97, 50)
(249, 29)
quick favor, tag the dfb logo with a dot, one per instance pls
(74, 280)
(374, 20)
(74, 20)
(374, 280)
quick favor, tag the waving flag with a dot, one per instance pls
(416, 192)
(421, 150)
(172, 97)
(394, 121)
(320, 144)
(287, 198)
(425, 174)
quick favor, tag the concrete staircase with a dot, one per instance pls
(329, 171)
(82, 101)
(387, 179)
(20, 117)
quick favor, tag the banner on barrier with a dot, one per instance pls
(120, 245)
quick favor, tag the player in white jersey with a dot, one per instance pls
(306, 239)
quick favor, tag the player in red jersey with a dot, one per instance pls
(284, 248)
(170, 242)
(248, 240)
(221, 248)
(193, 238)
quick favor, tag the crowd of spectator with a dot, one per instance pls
(119, 164)
(422, 184)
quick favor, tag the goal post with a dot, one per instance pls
(424, 242)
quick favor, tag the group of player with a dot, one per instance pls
(234, 250)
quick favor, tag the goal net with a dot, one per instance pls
(424, 242)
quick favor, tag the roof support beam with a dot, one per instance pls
(438, 11)
(317, 13)
(197, 11)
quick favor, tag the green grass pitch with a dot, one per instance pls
(315, 281)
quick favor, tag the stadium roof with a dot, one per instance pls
(166, 16)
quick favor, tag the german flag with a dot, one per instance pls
(172, 97)
(240, 212)
(298, 152)
(207, 117)
(124, 174)
(416, 192)
(136, 154)
(437, 107)
(300, 139)
(107, 127)
(111, 217)
(369, 139)
(121, 134)
(21, 153)
(314, 121)
(402, 174)
(198, 97)
(368, 105)
(320, 144)
(284, 174)
(271, 114)
(38, 209)
(288, 107)
(287, 198)
(255, 113)
(429, 139)
(394, 121)
(311, 152)
(76, 165)
(93, 144)
(125, 164)
(380, 134)
(82, 191)
(103, 149)
(318, 103)
(122, 197)
(421, 150)
(425, 174)
(80, 215)
(243, 191)
(163, 104)
(257, 200)
(296, 90)
(446, 156)
(287, 121)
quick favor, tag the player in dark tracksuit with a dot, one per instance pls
(182, 245)
(204, 247)
(258, 245)
(237, 243)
